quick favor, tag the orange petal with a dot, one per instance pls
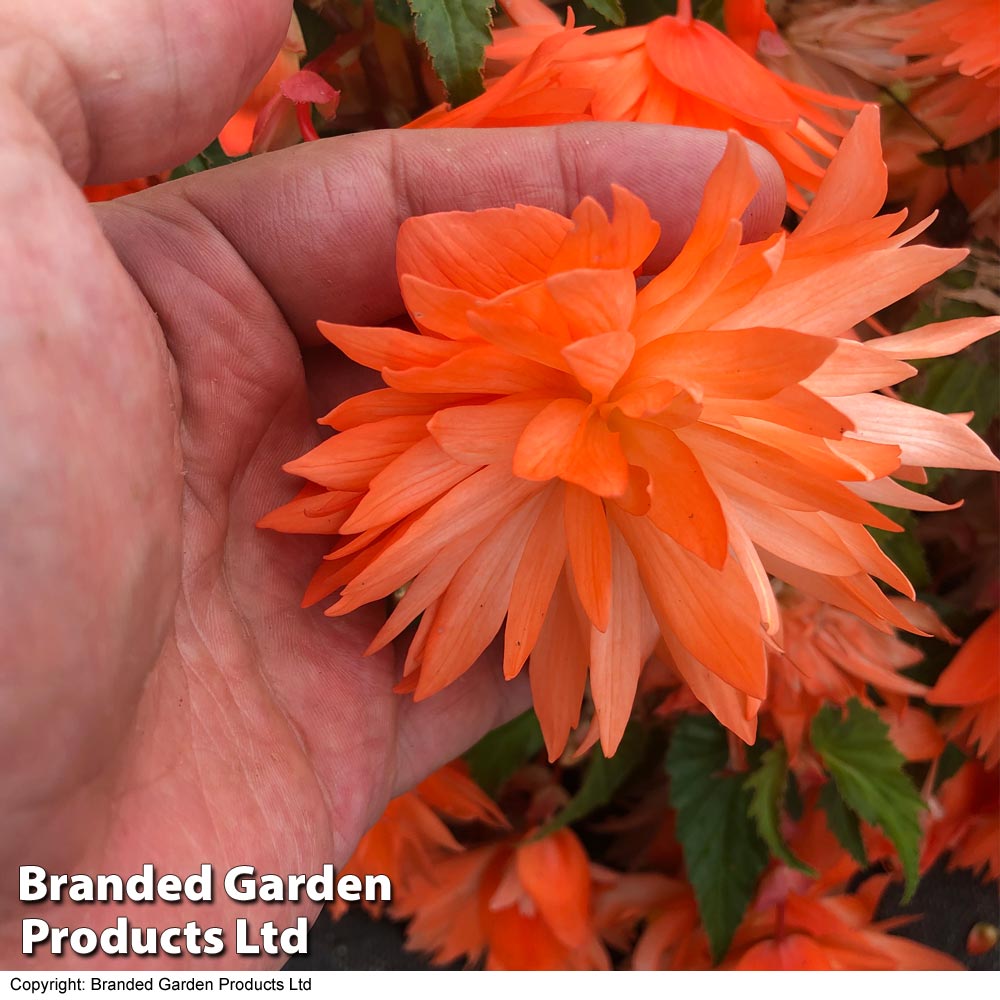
(595, 459)
(421, 474)
(555, 872)
(856, 181)
(541, 451)
(380, 404)
(972, 676)
(598, 362)
(480, 371)
(473, 607)
(937, 340)
(484, 253)
(616, 654)
(588, 542)
(701, 60)
(313, 512)
(537, 574)
(558, 670)
(815, 301)
(475, 506)
(351, 459)
(682, 502)
(925, 437)
(482, 435)
(754, 363)
(593, 302)
(381, 347)
(853, 368)
(441, 310)
(713, 613)
(594, 242)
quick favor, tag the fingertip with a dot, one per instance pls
(764, 214)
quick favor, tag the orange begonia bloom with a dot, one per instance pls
(671, 939)
(676, 70)
(606, 467)
(829, 655)
(523, 904)
(806, 930)
(956, 41)
(972, 681)
(966, 822)
(410, 838)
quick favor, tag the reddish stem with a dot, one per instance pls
(303, 112)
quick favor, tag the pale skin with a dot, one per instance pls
(163, 698)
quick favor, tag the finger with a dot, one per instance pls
(133, 87)
(435, 731)
(320, 232)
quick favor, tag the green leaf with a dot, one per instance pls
(394, 12)
(712, 12)
(767, 790)
(500, 753)
(949, 763)
(602, 778)
(868, 772)
(723, 853)
(610, 10)
(456, 33)
(843, 823)
(210, 157)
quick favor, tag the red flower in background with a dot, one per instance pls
(972, 681)
(236, 137)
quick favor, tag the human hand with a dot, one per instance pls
(162, 697)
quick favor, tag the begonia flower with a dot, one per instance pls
(965, 822)
(411, 835)
(605, 468)
(955, 42)
(236, 136)
(676, 70)
(519, 904)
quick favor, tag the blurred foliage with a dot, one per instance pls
(500, 753)
(602, 778)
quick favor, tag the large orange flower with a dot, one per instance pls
(606, 467)
(956, 41)
(676, 70)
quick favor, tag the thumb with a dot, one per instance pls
(133, 87)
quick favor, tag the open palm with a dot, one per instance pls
(162, 696)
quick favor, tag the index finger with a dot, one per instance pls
(317, 224)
